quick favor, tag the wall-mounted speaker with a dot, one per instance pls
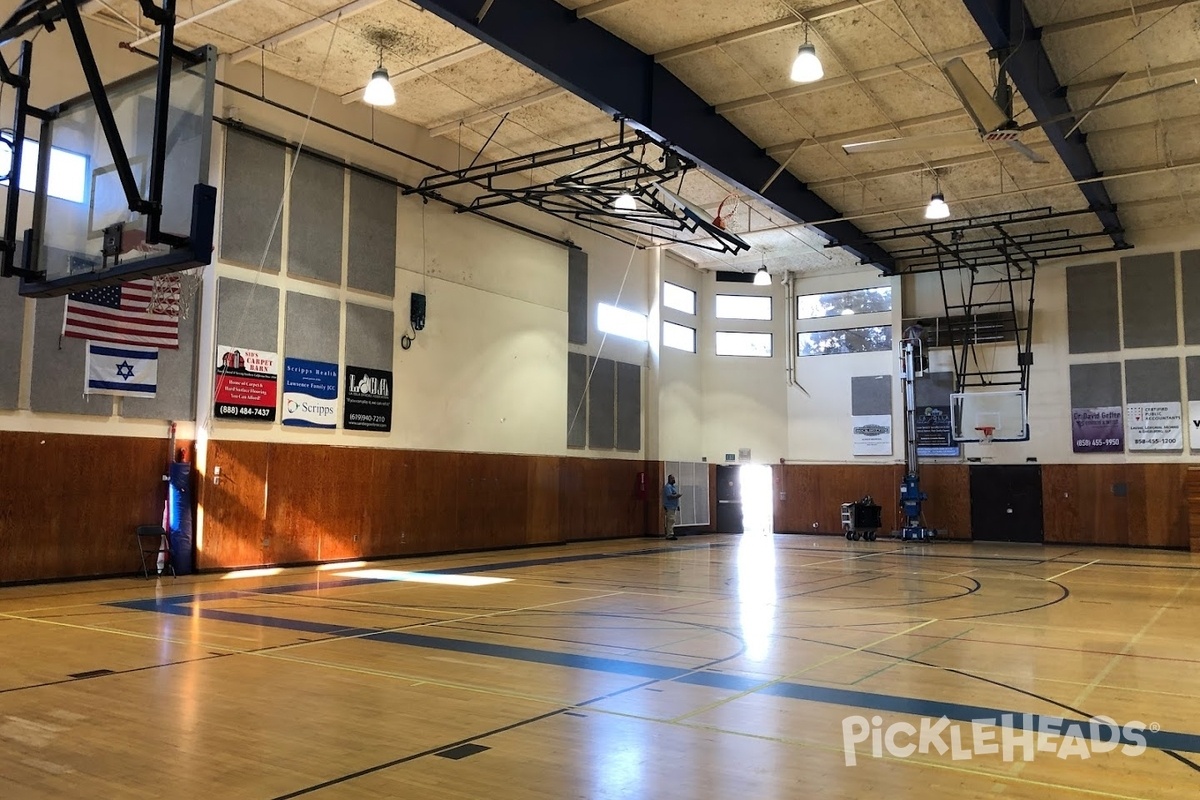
(417, 311)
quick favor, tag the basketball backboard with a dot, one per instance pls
(83, 233)
(998, 416)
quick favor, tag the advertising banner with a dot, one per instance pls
(1154, 426)
(310, 390)
(935, 434)
(872, 434)
(246, 384)
(368, 405)
(1097, 430)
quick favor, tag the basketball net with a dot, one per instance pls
(174, 294)
(986, 432)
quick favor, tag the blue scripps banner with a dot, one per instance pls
(310, 391)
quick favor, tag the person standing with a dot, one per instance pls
(671, 497)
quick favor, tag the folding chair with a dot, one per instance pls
(153, 541)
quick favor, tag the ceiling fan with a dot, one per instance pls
(992, 115)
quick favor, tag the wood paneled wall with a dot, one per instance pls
(1193, 501)
(70, 503)
(285, 504)
(1143, 505)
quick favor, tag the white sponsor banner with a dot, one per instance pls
(1194, 426)
(1154, 426)
(308, 411)
(872, 435)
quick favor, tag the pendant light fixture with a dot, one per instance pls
(625, 202)
(807, 67)
(379, 91)
(937, 208)
(762, 277)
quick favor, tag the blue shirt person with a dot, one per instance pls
(671, 495)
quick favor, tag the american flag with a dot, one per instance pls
(143, 311)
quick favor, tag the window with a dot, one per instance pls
(743, 306)
(679, 298)
(850, 340)
(621, 322)
(856, 301)
(734, 343)
(68, 171)
(681, 337)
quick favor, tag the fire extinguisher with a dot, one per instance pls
(641, 486)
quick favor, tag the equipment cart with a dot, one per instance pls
(862, 520)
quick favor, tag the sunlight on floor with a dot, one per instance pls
(756, 584)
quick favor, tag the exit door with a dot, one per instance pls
(1006, 503)
(729, 500)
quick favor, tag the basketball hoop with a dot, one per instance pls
(986, 432)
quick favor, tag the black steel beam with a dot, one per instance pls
(1007, 26)
(612, 74)
(13, 201)
(162, 109)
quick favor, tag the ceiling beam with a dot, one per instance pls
(1128, 14)
(315, 24)
(499, 111)
(908, 169)
(782, 24)
(592, 9)
(417, 70)
(612, 74)
(786, 148)
(183, 23)
(1008, 28)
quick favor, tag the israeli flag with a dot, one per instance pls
(121, 370)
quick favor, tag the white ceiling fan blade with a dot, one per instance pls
(1027, 151)
(931, 142)
(977, 100)
(1109, 104)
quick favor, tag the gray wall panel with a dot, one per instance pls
(1148, 310)
(1189, 261)
(1193, 377)
(1152, 380)
(176, 395)
(251, 194)
(1096, 385)
(629, 406)
(371, 262)
(934, 389)
(1092, 309)
(601, 404)
(577, 369)
(870, 395)
(368, 337)
(58, 364)
(311, 328)
(12, 327)
(315, 220)
(247, 315)
(577, 296)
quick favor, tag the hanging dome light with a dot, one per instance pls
(807, 67)
(379, 91)
(762, 277)
(937, 208)
(625, 202)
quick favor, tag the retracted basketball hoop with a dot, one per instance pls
(986, 432)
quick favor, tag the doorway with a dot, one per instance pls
(1006, 503)
(744, 499)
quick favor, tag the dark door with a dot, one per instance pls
(1006, 503)
(729, 500)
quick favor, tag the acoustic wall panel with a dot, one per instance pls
(933, 389)
(371, 260)
(58, 364)
(315, 220)
(176, 395)
(1092, 325)
(577, 410)
(1152, 380)
(1096, 385)
(1189, 262)
(691, 478)
(577, 296)
(368, 336)
(871, 395)
(601, 404)
(629, 407)
(311, 328)
(252, 191)
(12, 327)
(247, 315)
(1193, 377)
(1148, 310)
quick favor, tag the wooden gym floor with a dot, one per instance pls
(711, 667)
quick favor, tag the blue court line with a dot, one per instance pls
(898, 704)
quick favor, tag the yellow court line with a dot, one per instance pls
(792, 675)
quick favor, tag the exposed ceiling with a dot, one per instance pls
(883, 78)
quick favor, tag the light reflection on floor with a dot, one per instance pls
(757, 590)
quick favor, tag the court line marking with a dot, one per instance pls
(1076, 569)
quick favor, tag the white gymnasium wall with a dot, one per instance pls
(681, 399)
